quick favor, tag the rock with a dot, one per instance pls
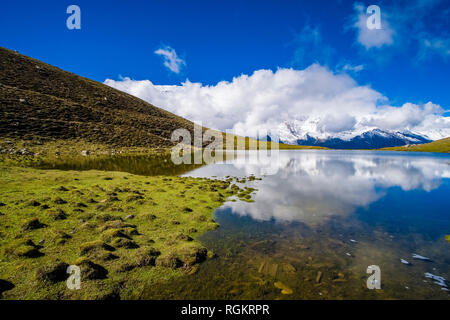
(441, 281)
(319, 277)
(85, 153)
(419, 257)
(32, 225)
(405, 262)
(284, 288)
(54, 274)
(269, 268)
(288, 268)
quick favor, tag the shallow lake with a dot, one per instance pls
(318, 220)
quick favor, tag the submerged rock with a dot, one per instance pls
(319, 277)
(419, 257)
(284, 288)
(441, 281)
(268, 268)
(405, 262)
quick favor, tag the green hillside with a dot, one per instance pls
(442, 145)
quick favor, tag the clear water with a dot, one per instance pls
(318, 220)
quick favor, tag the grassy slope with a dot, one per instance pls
(442, 145)
(169, 213)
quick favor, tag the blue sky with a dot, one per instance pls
(219, 40)
(222, 39)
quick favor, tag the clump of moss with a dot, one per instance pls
(97, 245)
(32, 224)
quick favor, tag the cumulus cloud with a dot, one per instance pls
(351, 68)
(322, 102)
(372, 38)
(171, 59)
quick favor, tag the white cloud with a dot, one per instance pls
(434, 46)
(375, 38)
(325, 103)
(321, 195)
(171, 59)
(351, 68)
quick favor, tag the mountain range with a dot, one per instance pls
(305, 133)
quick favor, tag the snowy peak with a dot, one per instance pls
(311, 132)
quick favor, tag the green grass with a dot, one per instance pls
(442, 145)
(50, 218)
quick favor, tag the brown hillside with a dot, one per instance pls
(39, 100)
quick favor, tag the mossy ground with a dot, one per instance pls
(125, 231)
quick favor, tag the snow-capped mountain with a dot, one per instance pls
(311, 132)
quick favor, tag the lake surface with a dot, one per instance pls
(318, 220)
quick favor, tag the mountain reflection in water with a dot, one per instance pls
(312, 186)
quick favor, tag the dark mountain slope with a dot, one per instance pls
(39, 100)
